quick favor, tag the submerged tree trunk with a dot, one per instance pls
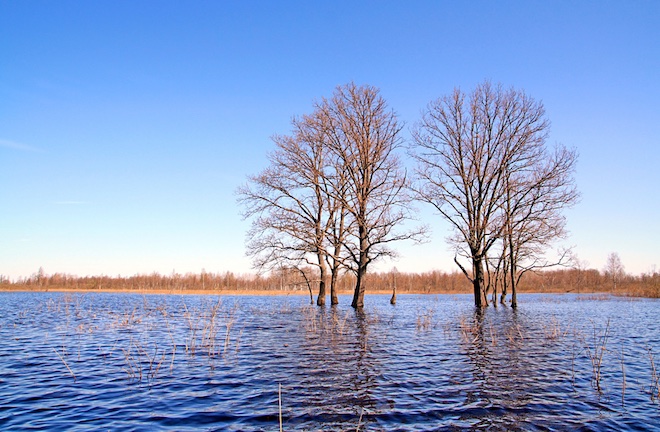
(358, 295)
(335, 266)
(320, 301)
(309, 285)
(504, 283)
(514, 300)
(512, 273)
(311, 294)
(493, 277)
(485, 294)
(478, 281)
(334, 300)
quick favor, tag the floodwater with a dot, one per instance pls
(210, 363)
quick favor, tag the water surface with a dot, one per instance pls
(156, 362)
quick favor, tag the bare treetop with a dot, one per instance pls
(365, 134)
(483, 164)
(335, 191)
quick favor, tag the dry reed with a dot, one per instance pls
(66, 364)
(279, 402)
(425, 319)
(595, 354)
(655, 384)
(357, 429)
(623, 377)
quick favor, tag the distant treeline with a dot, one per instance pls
(432, 282)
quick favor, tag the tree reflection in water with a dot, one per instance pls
(341, 373)
(513, 370)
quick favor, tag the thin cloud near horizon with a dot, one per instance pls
(18, 146)
(70, 202)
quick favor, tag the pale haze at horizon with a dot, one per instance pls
(126, 127)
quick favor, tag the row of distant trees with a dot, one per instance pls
(153, 281)
(611, 279)
(336, 195)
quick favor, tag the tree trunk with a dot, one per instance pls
(493, 297)
(491, 285)
(334, 300)
(514, 300)
(512, 273)
(504, 283)
(320, 301)
(358, 295)
(311, 294)
(478, 281)
(334, 272)
(485, 294)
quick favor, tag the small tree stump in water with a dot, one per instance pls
(394, 273)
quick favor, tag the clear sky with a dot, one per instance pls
(126, 126)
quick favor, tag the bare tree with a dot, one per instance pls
(483, 165)
(537, 190)
(614, 269)
(364, 135)
(289, 203)
(337, 228)
(581, 268)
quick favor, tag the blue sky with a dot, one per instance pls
(126, 126)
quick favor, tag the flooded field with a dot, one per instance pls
(149, 362)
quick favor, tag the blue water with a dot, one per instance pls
(156, 362)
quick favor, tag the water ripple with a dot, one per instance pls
(134, 362)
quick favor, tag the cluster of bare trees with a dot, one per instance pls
(485, 166)
(335, 194)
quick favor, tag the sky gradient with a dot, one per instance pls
(126, 126)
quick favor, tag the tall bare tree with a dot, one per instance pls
(364, 135)
(337, 228)
(483, 165)
(536, 193)
(289, 203)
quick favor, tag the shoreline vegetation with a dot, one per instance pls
(290, 283)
